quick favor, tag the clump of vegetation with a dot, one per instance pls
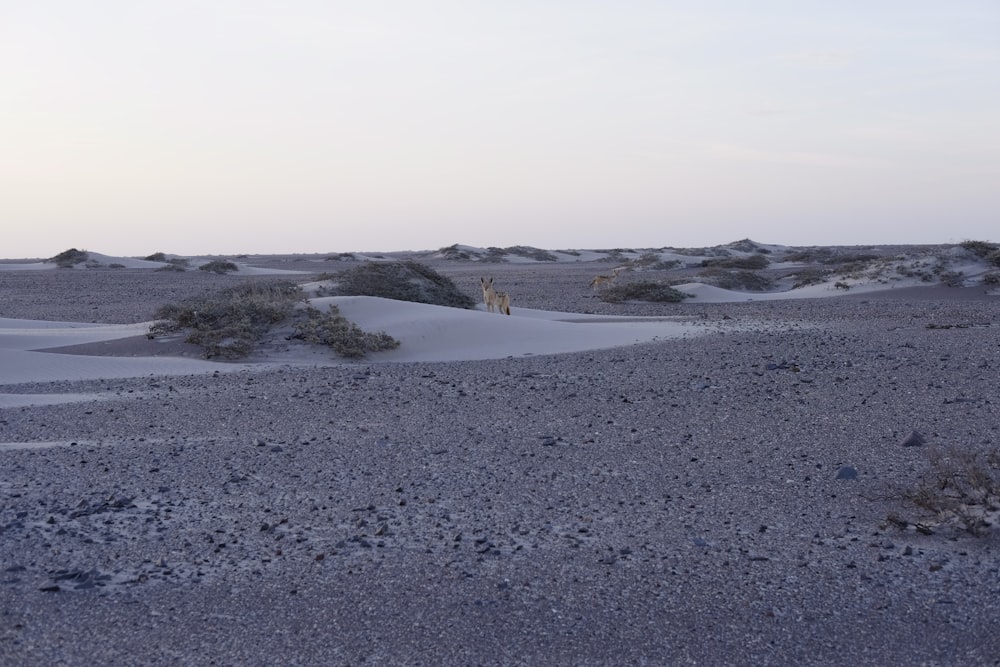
(992, 278)
(651, 260)
(810, 277)
(961, 488)
(156, 257)
(229, 323)
(172, 268)
(737, 280)
(985, 250)
(643, 290)
(67, 259)
(750, 262)
(219, 266)
(454, 252)
(341, 257)
(616, 255)
(403, 281)
(344, 337)
(497, 255)
(746, 245)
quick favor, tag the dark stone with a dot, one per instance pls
(914, 439)
(847, 472)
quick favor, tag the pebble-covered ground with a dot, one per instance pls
(717, 500)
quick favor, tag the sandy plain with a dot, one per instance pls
(718, 495)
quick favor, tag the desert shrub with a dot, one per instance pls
(746, 245)
(344, 337)
(219, 266)
(651, 260)
(341, 257)
(536, 254)
(737, 280)
(642, 290)
(229, 323)
(156, 257)
(403, 281)
(616, 255)
(116, 265)
(850, 259)
(67, 259)
(992, 278)
(984, 250)
(172, 268)
(961, 487)
(751, 262)
(810, 277)
(454, 252)
(809, 255)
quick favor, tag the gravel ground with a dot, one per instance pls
(669, 503)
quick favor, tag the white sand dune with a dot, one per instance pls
(426, 333)
(437, 333)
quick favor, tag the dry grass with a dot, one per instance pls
(961, 488)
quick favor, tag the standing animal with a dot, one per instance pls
(503, 302)
(603, 279)
(494, 300)
(489, 294)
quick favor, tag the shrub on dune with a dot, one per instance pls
(229, 323)
(341, 335)
(67, 259)
(219, 266)
(403, 281)
(643, 290)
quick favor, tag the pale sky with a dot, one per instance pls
(250, 126)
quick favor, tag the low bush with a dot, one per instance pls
(219, 266)
(642, 290)
(750, 262)
(810, 277)
(67, 259)
(403, 281)
(736, 280)
(344, 337)
(229, 323)
(961, 487)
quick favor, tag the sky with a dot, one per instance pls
(253, 126)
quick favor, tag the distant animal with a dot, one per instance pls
(495, 301)
(489, 294)
(503, 302)
(603, 279)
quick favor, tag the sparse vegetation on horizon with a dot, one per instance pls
(219, 266)
(750, 263)
(67, 259)
(985, 250)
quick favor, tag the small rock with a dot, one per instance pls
(847, 472)
(914, 439)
